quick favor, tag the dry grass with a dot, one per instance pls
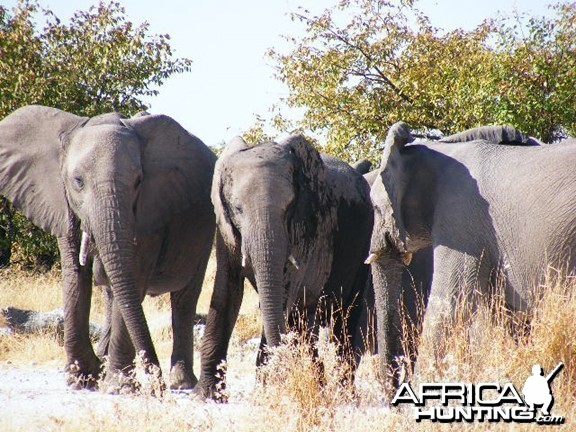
(26, 290)
(478, 348)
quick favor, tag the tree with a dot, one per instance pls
(537, 72)
(364, 64)
(95, 63)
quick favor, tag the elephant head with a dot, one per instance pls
(387, 197)
(391, 244)
(270, 204)
(114, 178)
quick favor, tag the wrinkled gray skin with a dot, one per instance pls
(296, 224)
(140, 189)
(487, 210)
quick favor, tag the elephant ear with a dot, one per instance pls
(30, 164)
(388, 190)
(314, 210)
(310, 169)
(223, 220)
(177, 170)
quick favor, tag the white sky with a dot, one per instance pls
(231, 79)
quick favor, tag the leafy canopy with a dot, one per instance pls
(365, 64)
(95, 63)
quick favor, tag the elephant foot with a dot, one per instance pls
(78, 378)
(118, 382)
(212, 391)
(182, 377)
(148, 381)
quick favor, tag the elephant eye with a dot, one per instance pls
(138, 183)
(79, 182)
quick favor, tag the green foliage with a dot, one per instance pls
(268, 130)
(257, 133)
(536, 73)
(365, 64)
(97, 62)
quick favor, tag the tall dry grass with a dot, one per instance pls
(43, 292)
(479, 346)
(487, 344)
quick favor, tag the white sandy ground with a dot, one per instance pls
(36, 398)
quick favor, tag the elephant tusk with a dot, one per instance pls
(407, 258)
(243, 260)
(83, 255)
(293, 261)
(371, 258)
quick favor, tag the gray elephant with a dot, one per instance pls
(295, 223)
(488, 211)
(131, 196)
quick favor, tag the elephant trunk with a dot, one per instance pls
(267, 249)
(387, 279)
(113, 237)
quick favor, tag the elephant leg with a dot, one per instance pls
(356, 330)
(262, 356)
(457, 276)
(184, 301)
(82, 363)
(222, 316)
(104, 342)
(121, 354)
(364, 329)
(315, 319)
(341, 317)
(183, 314)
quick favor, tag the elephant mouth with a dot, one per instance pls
(394, 247)
(291, 259)
(399, 248)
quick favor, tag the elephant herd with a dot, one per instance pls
(136, 203)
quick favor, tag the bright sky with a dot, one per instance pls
(231, 78)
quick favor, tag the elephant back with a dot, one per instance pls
(345, 181)
(507, 135)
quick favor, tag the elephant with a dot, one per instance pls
(296, 224)
(491, 212)
(129, 202)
